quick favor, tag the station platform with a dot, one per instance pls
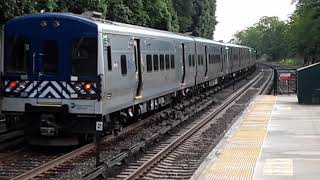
(275, 139)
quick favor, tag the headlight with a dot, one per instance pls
(22, 85)
(78, 86)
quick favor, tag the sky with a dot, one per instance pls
(236, 15)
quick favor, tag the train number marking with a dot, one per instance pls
(99, 126)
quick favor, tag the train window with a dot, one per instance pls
(149, 63)
(124, 68)
(155, 62)
(209, 58)
(235, 57)
(109, 58)
(172, 62)
(84, 54)
(193, 61)
(202, 60)
(190, 60)
(17, 56)
(212, 59)
(167, 61)
(161, 62)
(51, 56)
(215, 58)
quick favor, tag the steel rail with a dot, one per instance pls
(69, 156)
(149, 164)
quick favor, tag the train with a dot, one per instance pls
(63, 74)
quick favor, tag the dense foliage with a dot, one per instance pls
(300, 36)
(267, 37)
(193, 16)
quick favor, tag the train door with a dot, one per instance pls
(227, 60)
(206, 58)
(45, 66)
(222, 59)
(231, 60)
(138, 65)
(240, 56)
(183, 64)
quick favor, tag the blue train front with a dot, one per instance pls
(50, 75)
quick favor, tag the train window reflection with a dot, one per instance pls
(155, 62)
(17, 55)
(167, 61)
(84, 56)
(124, 68)
(172, 62)
(51, 56)
(161, 62)
(149, 63)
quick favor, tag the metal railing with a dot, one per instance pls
(285, 81)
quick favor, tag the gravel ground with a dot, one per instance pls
(125, 142)
(199, 147)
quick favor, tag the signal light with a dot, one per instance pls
(13, 84)
(87, 86)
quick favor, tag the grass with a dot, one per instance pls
(289, 62)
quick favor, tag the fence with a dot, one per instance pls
(285, 81)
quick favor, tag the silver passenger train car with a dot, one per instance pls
(63, 72)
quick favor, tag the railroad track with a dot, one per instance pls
(11, 139)
(179, 156)
(24, 165)
(27, 163)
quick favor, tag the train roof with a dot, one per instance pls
(69, 16)
(117, 27)
(236, 45)
(209, 41)
(120, 28)
(105, 25)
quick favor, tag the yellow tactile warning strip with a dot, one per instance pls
(237, 159)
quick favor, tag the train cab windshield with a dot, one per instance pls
(17, 55)
(84, 57)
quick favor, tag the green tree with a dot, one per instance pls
(46, 5)
(185, 12)
(137, 15)
(80, 6)
(159, 12)
(300, 36)
(195, 16)
(304, 30)
(118, 11)
(13, 8)
(268, 36)
(204, 20)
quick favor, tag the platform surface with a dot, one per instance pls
(275, 139)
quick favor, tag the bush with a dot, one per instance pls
(291, 62)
